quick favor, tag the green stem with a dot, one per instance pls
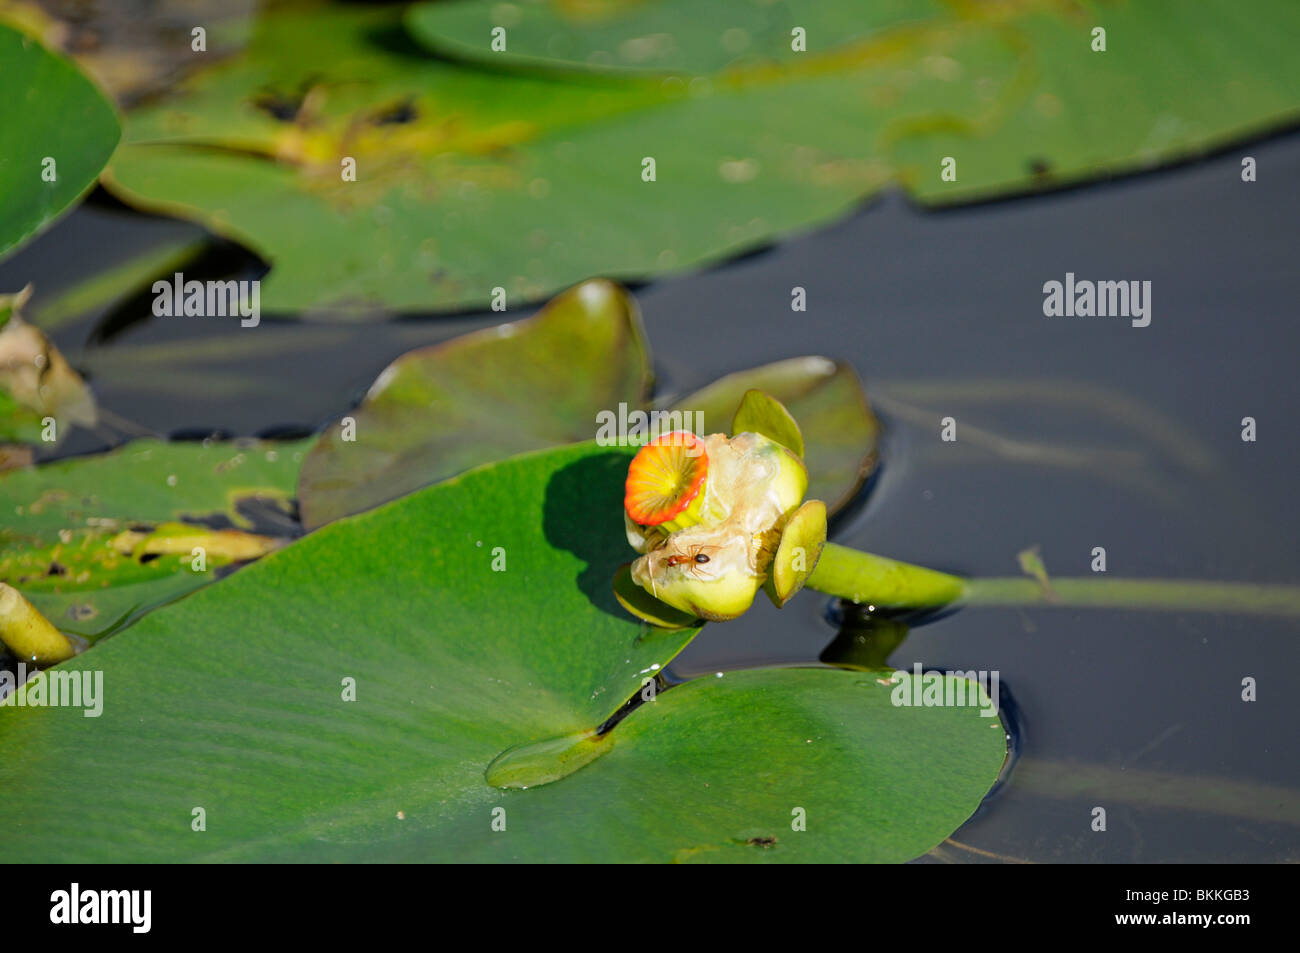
(1184, 595)
(885, 583)
(889, 584)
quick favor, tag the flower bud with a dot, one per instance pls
(716, 520)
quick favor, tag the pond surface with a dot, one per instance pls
(1072, 433)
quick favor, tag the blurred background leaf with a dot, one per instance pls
(471, 178)
(484, 396)
(840, 433)
(659, 36)
(60, 545)
(440, 410)
(59, 118)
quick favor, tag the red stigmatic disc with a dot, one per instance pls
(665, 477)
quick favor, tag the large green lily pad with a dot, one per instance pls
(64, 524)
(661, 35)
(1176, 81)
(232, 700)
(49, 111)
(528, 180)
(440, 410)
(485, 396)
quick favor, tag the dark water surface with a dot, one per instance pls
(1072, 433)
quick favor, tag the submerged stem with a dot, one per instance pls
(885, 583)
(1186, 595)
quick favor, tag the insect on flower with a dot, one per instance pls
(692, 560)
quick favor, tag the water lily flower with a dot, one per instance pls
(716, 517)
(708, 516)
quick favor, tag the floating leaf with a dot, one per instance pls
(662, 35)
(440, 410)
(255, 149)
(93, 540)
(485, 396)
(398, 444)
(470, 179)
(839, 431)
(233, 700)
(1165, 89)
(50, 113)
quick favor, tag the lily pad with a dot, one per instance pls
(470, 179)
(471, 619)
(50, 114)
(662, 35)
(93, 541)
(838, 429)
(485, 396)
(481, 397)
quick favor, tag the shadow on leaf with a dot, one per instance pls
(583, 515)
